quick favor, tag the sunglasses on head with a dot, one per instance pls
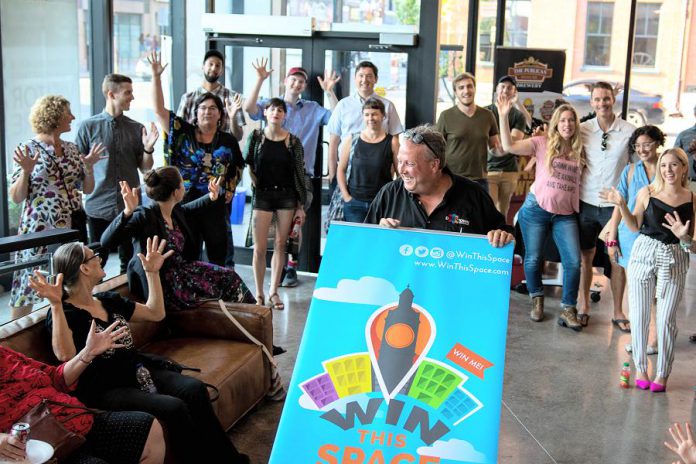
(605, 136)
(418, 139)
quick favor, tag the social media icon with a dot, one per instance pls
(421, 251)
(437, 253)
(406, 250)
(450, 254)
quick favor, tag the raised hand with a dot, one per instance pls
(24, 160)
(130, 197)
(611, 195)
(214, 187)
(107, 339)
(52, 292)
(684, 445)
(679, 229)
(153, 260)
(260, 67)
(504, 104)
(150, 138)
(155, 60)
(94, 156)
(329, 81)
(233, 105)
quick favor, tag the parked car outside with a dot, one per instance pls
(644, 108)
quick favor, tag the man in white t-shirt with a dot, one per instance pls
(605, 138)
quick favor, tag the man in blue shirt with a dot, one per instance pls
(303, 120)
(129, 148)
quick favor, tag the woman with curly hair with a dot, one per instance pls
(619, 239)
(664, 214)
(552, 203)
(49, 177)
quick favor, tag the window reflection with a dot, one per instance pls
(598, 33)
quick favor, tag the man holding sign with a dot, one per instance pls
(428, 195)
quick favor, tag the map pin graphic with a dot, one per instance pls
(398, 337)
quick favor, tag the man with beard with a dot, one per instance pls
(128, 148)
(470, 131)
(232, 118)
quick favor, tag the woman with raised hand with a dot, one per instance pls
(367, 162)
(123, 379)
(552, 204)
(644, 143)
(276, 161)
(203, 151)
(664, 215)
(126, 437)
(187, 281)
(50, 176)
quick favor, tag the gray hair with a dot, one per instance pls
(67, 260)
(434, 142)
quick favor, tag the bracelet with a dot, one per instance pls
(686, 246)
(611, 243)
(149, 152)
(86, 362)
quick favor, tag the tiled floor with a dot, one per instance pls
(562, 401)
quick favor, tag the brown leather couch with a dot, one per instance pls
(203, 338)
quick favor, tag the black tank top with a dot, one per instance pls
(370, 168)
(654, 217)
(276, 170)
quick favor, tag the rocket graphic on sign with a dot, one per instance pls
(398, 337)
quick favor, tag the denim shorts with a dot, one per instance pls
(275, 199)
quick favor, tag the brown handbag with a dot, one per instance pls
(45, 427)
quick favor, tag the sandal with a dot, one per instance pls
(260, 300)
(625, 322)
(278, 304)
(583, 319)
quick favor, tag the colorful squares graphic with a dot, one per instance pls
(320, 390)
(460, 405)
(351, 375)
(433, 383)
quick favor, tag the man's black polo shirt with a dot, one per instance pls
(466, 208)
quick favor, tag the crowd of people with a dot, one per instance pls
(598, 179)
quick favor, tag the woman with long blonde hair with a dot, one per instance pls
(664, 214)
(552, 203)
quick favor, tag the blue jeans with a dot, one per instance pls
(355, 210)
(535, 224)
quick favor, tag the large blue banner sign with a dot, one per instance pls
(403, 352)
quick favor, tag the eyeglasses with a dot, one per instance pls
(418, 139)
(95, 255)
(605, 136)
(645, 146)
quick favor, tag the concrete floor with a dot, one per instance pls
(561, 401)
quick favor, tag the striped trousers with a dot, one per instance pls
(655, 271)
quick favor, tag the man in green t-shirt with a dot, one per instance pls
(469, 131)
(502, 170)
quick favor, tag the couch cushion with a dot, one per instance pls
(238, 370)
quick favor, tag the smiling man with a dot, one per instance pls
(128, 148)
(427, 195)
(469, 131)
(347, 118)
(605, 138)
